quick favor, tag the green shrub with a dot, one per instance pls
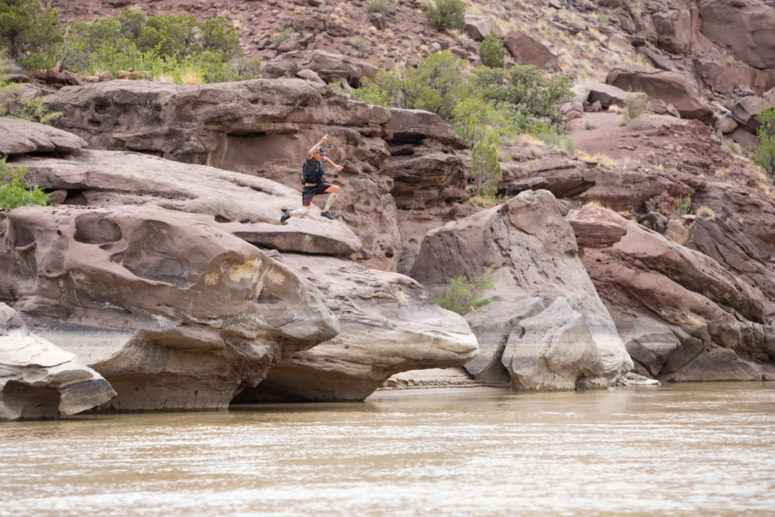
(31, 34)
(32, 109)
(381, 6)
(437, 84)
(281, 36)
(485, 169)
(174, 48)
(525, 90)
(360, 44)
(446, 14)
(635, 105)
(491, 51)
(386, 90)
(683, 205)
(462, 295)
(764, 153)
(14, 192)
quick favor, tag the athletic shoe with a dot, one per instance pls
(327, 215)
(286, 215)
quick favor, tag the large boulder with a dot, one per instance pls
(539, 280)
(746, 110)
(478, 26)
(19, 136)
(669, 87)
(389, 324)
(40, 380)
(675, 307)
(527, 51)
(743, 25)
(246, 206)
(172, 311)
(262, 128)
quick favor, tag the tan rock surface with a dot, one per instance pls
(535, 257)
(173, 312)
(389, 324)
(39, 379)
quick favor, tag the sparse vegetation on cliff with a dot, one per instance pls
(486, 105)
(446, 14)
(764, 153)
(177, 48)
(14, 192)
(463, 295)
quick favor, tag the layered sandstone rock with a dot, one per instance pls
(262, 128)
(545, 325)
(246, 206)
(40, 380)
(19, 136)
(172, 311)
(682, 314)
(388, 323)
(330, 67)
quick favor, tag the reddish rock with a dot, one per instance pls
(527, 51)
(745, 111)
(669, 87)
(21, 136)
(743, 25)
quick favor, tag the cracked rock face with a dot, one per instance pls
(173, 313)
(40, 380)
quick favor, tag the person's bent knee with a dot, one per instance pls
(333, 189)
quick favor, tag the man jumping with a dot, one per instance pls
(312, 182)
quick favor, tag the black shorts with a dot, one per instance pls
(308, 192)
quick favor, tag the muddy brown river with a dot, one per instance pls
(685, 449)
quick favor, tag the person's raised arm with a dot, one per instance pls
(337, 167)
(314, 148)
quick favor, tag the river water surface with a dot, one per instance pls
(686, 449)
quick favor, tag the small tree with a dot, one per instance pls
(635, 105)
(31, 34)
(436, 85)
(764, 153)
(14, 192)
(491, 51)
(446, 14)
(485, 169)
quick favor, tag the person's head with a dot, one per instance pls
(320, 153)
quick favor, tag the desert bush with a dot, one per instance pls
(14, 192)
(525, 90)
(360, 44)
(683, 205)
(485, 169)
(31, 34)
(446, 14)
(381, 6)
(281, 36)
(635, 105)
(491, 51)
(437, 84)
(176, 48)
(387, 89)
(31, 109)
(764, 153)
(463, 295)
